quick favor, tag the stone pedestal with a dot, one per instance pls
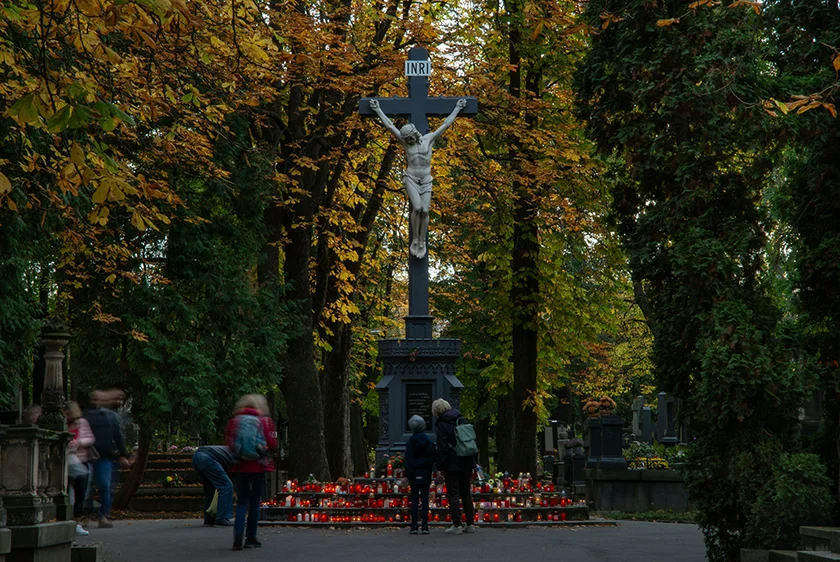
(33, 475)
(416, 372)
(605, 441)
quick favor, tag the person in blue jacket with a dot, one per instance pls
(419, 460)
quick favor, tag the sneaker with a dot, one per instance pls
(252, 543)
(413, 531)
(453, 530)
(425, 531)
(471, 529)
(208, 522)
(81, 532)
(104, 523)
(223, 523)
(237, 543)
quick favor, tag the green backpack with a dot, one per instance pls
(465, 445)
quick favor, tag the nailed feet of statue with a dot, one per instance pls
(418, 249)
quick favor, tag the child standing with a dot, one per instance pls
(419, 460)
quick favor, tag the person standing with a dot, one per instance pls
(250, 435)
(78, 451)
(419, 460)
(457, 470)
(110, 445)
(212, 463)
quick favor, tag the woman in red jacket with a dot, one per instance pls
(250, 473)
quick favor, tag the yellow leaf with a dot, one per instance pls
(811, 105)
(836, 63)
(830, 108)
(781, 106)
(11, 204)
(771, 112)
(137, 221)
(5, 184)
(100, 194)
(77, 155)
(668, 22)
(111, 278)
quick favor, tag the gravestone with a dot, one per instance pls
(666, 425)
(642, 424)
(419, 368)
(812, 414)
(605, 442)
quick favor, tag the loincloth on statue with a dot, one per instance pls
(422, 187)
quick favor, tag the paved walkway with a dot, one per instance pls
(189, 541)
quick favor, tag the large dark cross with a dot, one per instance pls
(418, 106)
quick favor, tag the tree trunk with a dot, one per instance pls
(337, 403)
(482, 434)
(125, 494)
(301, 387)
(358, 444)
(505, 433)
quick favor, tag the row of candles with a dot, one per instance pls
(440, 501)
(392, 487)
(481, 516)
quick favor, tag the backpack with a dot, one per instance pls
(249, 442)
(465, 445)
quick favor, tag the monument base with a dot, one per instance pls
(416, 371)
(45, 542)
(5, 543)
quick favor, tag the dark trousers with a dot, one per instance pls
(458, 487)
(78, 486)
(249, 487)
(213, 478)
(420, 501)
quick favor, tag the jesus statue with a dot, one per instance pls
(417, 177)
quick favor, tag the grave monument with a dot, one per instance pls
(418, 368)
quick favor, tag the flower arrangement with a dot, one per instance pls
(592, 408)
(173, 481)
(397, 461)
(412, 355)
(607, 404)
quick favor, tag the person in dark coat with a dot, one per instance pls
(212, 463)
(110, 445)
(457, 471)
(419, 460)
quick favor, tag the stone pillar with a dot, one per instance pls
(53, 338)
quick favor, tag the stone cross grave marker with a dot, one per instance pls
(418, 106)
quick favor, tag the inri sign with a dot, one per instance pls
(418, 68)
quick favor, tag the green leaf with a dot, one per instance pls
(25, 109)
(58, 122)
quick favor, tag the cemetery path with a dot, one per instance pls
(189, 541)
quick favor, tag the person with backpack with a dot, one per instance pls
(419, 460)
(456, 451)
(250, 436)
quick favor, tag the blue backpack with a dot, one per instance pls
(249, 442)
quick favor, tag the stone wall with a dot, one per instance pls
(636, 490)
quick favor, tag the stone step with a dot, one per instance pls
(159, 491)
(816, 556)
(820, 539)
(783, 556)
(157, 476)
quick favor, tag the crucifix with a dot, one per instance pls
(417, 142)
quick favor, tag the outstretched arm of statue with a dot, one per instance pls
(374, 105)
(461, 104)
